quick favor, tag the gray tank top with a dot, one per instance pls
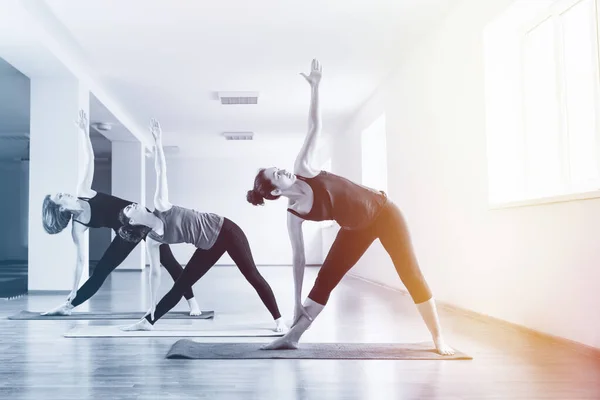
(184, 225)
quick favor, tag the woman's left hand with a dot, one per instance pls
(299, 312)
(151, 311)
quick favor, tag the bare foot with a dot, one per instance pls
(63, 309)
(194, 308)
(281, 326)
(141, 325)
(283, 343)
(442, 348)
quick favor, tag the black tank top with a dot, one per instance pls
(104, 210)
(336, 198)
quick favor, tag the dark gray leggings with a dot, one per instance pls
(233, 241)
(114, 255)
(349, 246)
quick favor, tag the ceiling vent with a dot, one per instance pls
(102, 126)
(238, 135)
(229, 98)
(170, 150)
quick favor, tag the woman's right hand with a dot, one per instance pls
(82, 122)
(315, 73)
(155, 130)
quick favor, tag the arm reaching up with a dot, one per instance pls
(84, 189)
(161, 196)
(304, 164)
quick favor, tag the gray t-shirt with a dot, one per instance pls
(184, 225)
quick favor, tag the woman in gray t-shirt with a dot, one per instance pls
(212, 234)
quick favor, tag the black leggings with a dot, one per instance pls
(116, 253)
(232, 240)
(349, 246)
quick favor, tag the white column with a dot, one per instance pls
(129, 183)
(54, 166)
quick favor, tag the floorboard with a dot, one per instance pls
(37, 362)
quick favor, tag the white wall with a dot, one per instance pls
(55, 166)
(535, 266)
(14, 182)
(219, 184)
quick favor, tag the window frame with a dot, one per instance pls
(568, 190)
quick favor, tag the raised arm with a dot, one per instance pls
(161, 195)
(84, 189)
(305, 163)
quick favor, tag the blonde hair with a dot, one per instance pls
(53, 218)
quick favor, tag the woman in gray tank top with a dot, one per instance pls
(212, 234)
(363, 214)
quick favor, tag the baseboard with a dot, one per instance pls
(571, 344)
(48, 292)
(128, 270)
(229, 265)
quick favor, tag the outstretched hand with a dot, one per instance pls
(155, 130)
(299, 312)
(72, 295)
(315, 73)
(151, 311)
(82, 122)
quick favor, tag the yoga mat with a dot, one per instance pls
(169, 331)
(188, 349)
(29, 315)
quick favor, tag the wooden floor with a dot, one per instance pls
(37, 362)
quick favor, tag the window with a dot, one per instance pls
(374, 155)
(542, 100)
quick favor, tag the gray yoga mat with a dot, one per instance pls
(29, 315)
(188, 349)
(162, 330)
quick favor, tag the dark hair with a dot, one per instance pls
(131, 233)
(262, 190)
(54, 218)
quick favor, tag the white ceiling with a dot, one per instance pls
(167, 58)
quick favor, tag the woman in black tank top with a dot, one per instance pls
(96, 210)
(363, 214)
